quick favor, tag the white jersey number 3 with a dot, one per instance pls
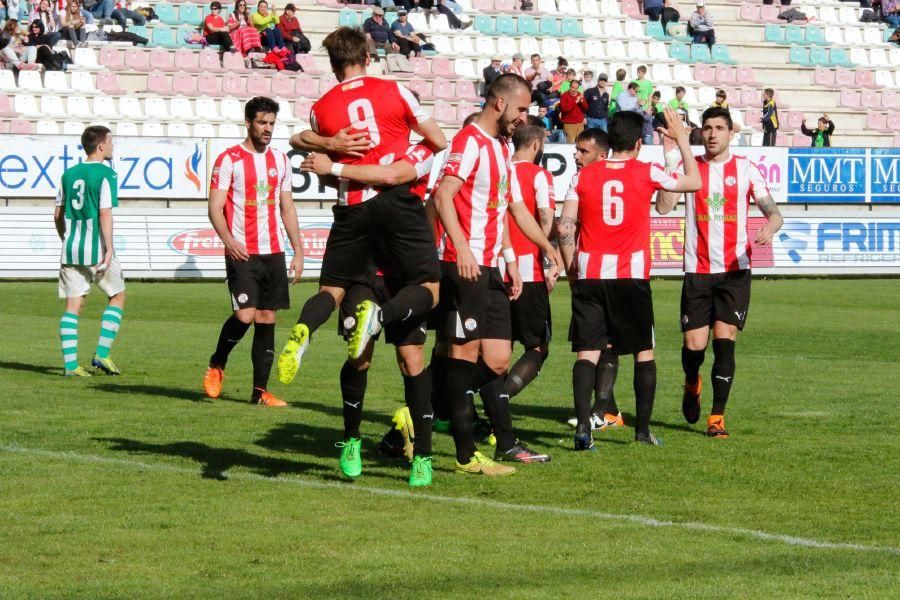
(362, 117)
(613, 205)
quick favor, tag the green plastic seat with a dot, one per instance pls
(794, 35)
(701, 53)
(506, 25)
(166, 13)
(571, 28)
(484, 24)
(164, 37)
(800, 56)
(721, 55)
(816, 35)
(348, 18)
(681, 52)
(775, 34)
(819, 56)
(655, 30)
(550, 27)
(190, 14)
(528, 25)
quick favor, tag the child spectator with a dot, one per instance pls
(769, 118)
(721, 100)
(821, 135)
(617, 89)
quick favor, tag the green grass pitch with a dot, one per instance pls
(137, 486)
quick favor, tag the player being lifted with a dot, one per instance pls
(414, 424)
(84, 222)
(607, 210)
(472, 200)
(717, 249)
(249, 202)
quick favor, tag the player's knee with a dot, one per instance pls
(360, 364)
(247, 316)
(118, 300)
(410, 361)
(336, 293)
(264, 317)
(435, 288)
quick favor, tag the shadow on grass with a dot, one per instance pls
(193, 395)
(215, 462)
(41, 369)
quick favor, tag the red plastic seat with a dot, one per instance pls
(850, 98)
(466, 90)
(234, 85)
(259, 85)
(824, 76)
(308, 62)
(162, 60)
(306, 86)
(726, 75)
(187, 60)
(108, 83)
(283, 85)
(745, 76)
(208, 61)
(444, 113)
(421, 87)
(705, 73)
(112, 58)
(209, 84)
(184, 84)
(159, 84)
(137, 60)
(234, 62)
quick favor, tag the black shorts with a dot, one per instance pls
(403, 239)
(616, 312)
(473, 310)
(530, 314)
(410, 332)
(348, 252)
(710, 297)
(260, 282)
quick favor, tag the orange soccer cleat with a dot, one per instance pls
(612, 420)
(267, 399)
(715, 427)
(212, 381)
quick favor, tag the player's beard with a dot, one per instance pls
(539, 157)
(504, 125)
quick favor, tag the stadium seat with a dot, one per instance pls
(613, 28)
(528, 45)
(56, 81)
(157, 108)
(636, 50)
(483, 24)
(72, 127)
(83, 81)
(30, 80)
(878, 58)
(706, 95)
(52, 106)
(634, 30)
(6, 109)
(568, 8)
(853, 36)
(850, 98)
(750, 12)
(178, 130)
(705, 73)
(824, 76)
(593, 28)
(774, 34)
(656, 31)
(506, 25)
(794, 34)
(283, 85)
(571, 28)
(877, 121)
(183, 109)
(661, 73)
(550, 26)
(845, 77)
(112, 58)
(834, 35)
(137, 59)
(103, 106)
(418, 21)
(466, 90)
(153, 129)
(589, 8)
(726, 76)
(204, 130)
(234, 62)
(77, 107)
(161, 60)
(769, 13)
(45, 127)
(615, 50)
(890, 99)
(444, 113)
(208, 109)
(232, 110)
(484, 46)
(870, 98)
(444, 89)
(681, 52)
(721, 55)
(442, 67)
(166, 13)
(184, 84)
(190, 14)
(701, 53)
(629, 7)
(465, 68)
(462, 46)
(819, 56)
(800, 55)
(21, 126)
(159, 84)
(547, 7)
(464, 110)
(229, 131)
(421, 87)
(883, 78)
(348, 18)
(573, 49)
(163, 37)
(507, 46)
(207, 60)
(308, 62)
(306, 86)
(209, 84)
(528, 25)
(550, 47)
(259, 84)
(865, 78)
(594, 49)
(657, 51)
(816, 35)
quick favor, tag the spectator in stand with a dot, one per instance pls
(293, 36)
(44, 13)
(572, 107)
(541, 80)
(597, 99)
(721, 100)
(657, 111)
(569, 81)
(558, 75)
(554, 136)
(405, 36)
(38, 37)
(769, 118)
(702, 25)
(653, 9)
(587, 80)
(890, 12)
(13, 53)
(492, 71)
(266, 23)
(618, 88)
(645, 87)
(101, 9)
(670, 14)
(73, 23)
(378, 34)
(243, 34)
(627, 99)
(678, 102)
(123, 12)
(444, 8)
(215, 30)
(518, 64)
(821, 135)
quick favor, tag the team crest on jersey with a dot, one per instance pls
(262, 190)
(730, 180)
(716, 201)
(272, 172)
(471, 324)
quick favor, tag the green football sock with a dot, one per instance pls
(109, 327)
(68, 337)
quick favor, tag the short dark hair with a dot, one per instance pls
(717, 112)
(680, 88)
(769, 91)
(290, 6)
(346, 47)
(524, 135)
(625, 130)
(505, 84)
(620, 74)
(656, 94)
(535, 54)
(721, 94)
(262, 2)
(215, 4)
(562, 62)
(596, 136)
(633, 85)
(642, 69)
(471, 118)
(259, 104)
(92, 137)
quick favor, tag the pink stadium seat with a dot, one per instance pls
(6, 109)
(794, 120)
(421, 66)
(283, 85)
(865, 78)
(421, 87)
(444, 113)
(726, 75)
(877, 121)
(824, 76)
(209, 61)
(234, 62)
(799, 140)
(750, 97)
(326, 82)
(302, 109)
(782, 139)
(705, 73)
(112, 58)
(870, 99)
(234, 85)
(159, 84)
(466, 90)
(890, 99)
(632, 9)
(464, 110)
(306, 86)
(161, 60)
(137, 60)
(483, 6)
(845, 77)
(750, 12)
(745, 76)
(209, 84)
(308, 62)
(444, 89)
(752, 118)
(505, 6)
(4, 127)
(442, 67)
(108, 83)
(21, 126)
(769, 13)
(184, 84)
(259, 85)
(893, 121)
(733, 95)
(187, 60)
(850, 98)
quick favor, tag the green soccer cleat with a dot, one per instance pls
(351, 463)
(289, 359)
(421, 472)
(78, 372)
(368, 325)
(106, 365)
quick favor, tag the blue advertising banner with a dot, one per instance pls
(844, 175)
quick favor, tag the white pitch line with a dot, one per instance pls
(491, 504)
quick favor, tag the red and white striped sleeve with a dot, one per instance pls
(572, 193)
(543, 190)
(662, 180)
(222, 172)
(759, 188)
(463, 157)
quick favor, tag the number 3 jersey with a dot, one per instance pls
(613, 199)
(384, 109)
(85, 189)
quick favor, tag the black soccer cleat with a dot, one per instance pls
(391, 445)
(584, 441)
(647, 438)
(520, 453)
(690, 402)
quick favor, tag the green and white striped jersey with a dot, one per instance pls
(85, 189)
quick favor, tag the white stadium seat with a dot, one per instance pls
(573, 49)
(550, 48)
(613, 28)
(442, 45)
(232, 110)
(878, 58)
(83, 81)
(86, 58)
(127, 128)
(590, 8)
(26, 105)
(853, 36)
(634, 30)
(130, 108)
(835, 35)
(528, 46)
(281, 131)
(230, 130)
(465, 69)
(31, 80)
(7, 81)
(52, 106)
(610, 8)
(859, 56)
(615, 49)
(209, 108)
(182, 108)
(157, 108)
(153, 129)
(204, 130)
(462, 46)
(594, 49)
(706, 95)
(547, 6)
(56, 81)
(569, 8)
(657, 51)
(637, 50)
(72, 128)
(105, 107)
(872, 36)
(178, 130)
(592, 27)
(47, 128)
(507, 47)
(440, 23)
(485, 46)
(77, 107)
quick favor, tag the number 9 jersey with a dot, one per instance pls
(613, 199)
(384, 109)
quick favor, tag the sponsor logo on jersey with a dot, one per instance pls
(352, 85)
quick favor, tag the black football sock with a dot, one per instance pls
(316, 311)
(232, 331)
(496, 403)
(604, 397)
(461, 377)
(583, 375)
(526, 369)
(263, 353)
(722, 374)
(417, 390)
(439, 401)
(411, 301)
(644, 393)
(485, 375)
(690, 362)
(353, 391)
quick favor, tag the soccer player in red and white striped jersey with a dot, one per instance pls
(250, 201)
(717, 251)
(612, 305)
(475, 192)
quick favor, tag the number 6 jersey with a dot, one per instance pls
(613, 199)
(384, 109)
